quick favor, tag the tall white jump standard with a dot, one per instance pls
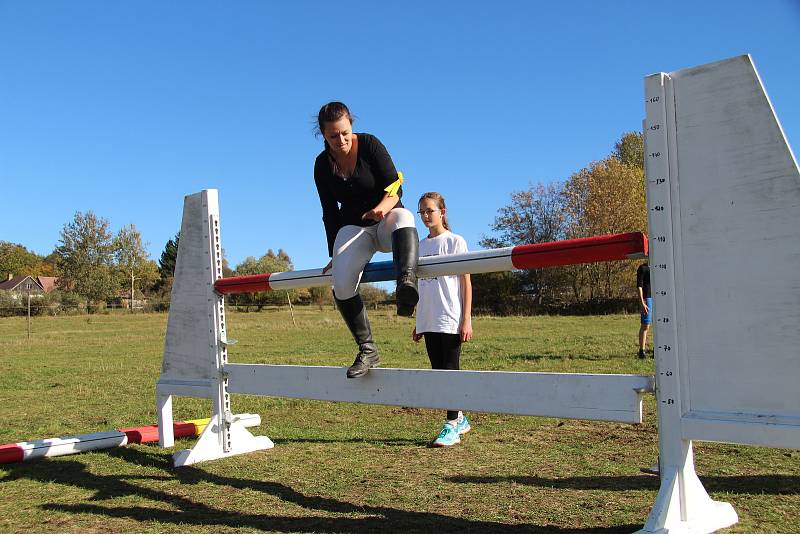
(195, 347)
(723, 197)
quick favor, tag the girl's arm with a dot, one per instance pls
(384, 206)
(466, 308)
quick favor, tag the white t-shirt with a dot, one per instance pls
(439, 307)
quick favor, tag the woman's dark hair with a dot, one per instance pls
(331, 112)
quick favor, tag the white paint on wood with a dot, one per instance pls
(72, 444)
(575, 396)
(481, 261)
(682, 505)
(723, 204)
(737, 215)
(190, 326)
(210, 444)
(766, 431)
(166, 432)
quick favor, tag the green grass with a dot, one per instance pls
(346, 467)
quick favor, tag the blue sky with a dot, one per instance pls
(122, 108)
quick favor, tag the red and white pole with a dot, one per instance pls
(611, 247)
(31, 450)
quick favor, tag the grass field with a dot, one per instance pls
(345, 467)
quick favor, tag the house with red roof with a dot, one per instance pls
(22, 285)
(48, 283)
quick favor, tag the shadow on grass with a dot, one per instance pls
(750, 485)
(185, 511)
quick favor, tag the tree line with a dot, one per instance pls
(605, 197)
(94, 265)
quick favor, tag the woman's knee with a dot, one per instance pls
(345, 283)
(399, 218)
(346, 274)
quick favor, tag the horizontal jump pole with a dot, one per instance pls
(611, 247)
(42, 448)
(597, 397)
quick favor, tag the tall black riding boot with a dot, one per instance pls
(355, 316)
(405, 250)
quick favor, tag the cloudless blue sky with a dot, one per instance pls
(122, 108)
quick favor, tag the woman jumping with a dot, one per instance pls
(360, 191)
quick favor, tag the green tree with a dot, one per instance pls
(630, 149)
(86, 258)
(371, 295)
(268, 263)
(535, 215)
(149, 277)
(16, 260)
(132, 260)
(321, 296)
(166, 264)
(226, 267)
(604, 198)
(495, 293)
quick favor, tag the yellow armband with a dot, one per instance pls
(394, 186)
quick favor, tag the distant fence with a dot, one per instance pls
(517, 305)
(77, 309)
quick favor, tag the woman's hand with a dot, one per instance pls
(416, 337)
(380, 211)
(327, 267)
(375, 214)
(466, 330)
(645, 309)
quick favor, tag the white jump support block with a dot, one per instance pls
(574, 396)
(208, 446)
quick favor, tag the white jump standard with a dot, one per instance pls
(723, 198)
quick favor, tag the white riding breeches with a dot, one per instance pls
(355, 245)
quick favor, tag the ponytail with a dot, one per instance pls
(439, 199)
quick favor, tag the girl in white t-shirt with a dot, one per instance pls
(444, 311)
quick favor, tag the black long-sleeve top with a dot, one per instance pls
(345, 200)
(643, 279)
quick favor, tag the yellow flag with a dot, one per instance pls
(394, 186)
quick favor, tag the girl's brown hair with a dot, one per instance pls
(439, 199)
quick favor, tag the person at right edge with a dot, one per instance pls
(360, 189)
(646, 305)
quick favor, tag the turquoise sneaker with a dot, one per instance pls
(462, 426)
(447, 437)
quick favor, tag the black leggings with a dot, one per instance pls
(444, 351)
